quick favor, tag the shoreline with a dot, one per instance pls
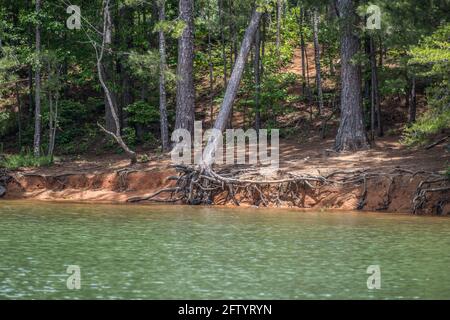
(382, 194)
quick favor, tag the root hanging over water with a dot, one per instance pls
(238, 185)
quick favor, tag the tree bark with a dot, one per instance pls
(303, 51)
(278, 44)
(126, 14)
(37, 110)
(222, 39)
(233, 86)
(185, 111)
(211, 69)
(317, 59)
(257, 73)
(106, 39)
(412, 106)
(375, 93)
(19, 114)
(162, 81)
(107, 72)
(351, 135)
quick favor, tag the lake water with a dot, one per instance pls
(167, 252)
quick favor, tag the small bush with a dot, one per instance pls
(16, 161)
(434, 121)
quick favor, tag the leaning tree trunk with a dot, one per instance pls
(232, 88)
(162, 80)
(106, 40)
(351, 135)
(185, 111)
(317, 60)
(37, 110)
(107, 73)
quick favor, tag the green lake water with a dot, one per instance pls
(180, 252)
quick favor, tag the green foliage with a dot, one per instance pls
(435, 120)
(431, 58)
(76, 125)
(433, 54)
(392, 84)
(145, 66)
(24, 160)
(141, 112)
(129, 136)
(173, 29)
(6, 122)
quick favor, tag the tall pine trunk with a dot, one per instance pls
(375, 93)
(412, 105)
(302, 49)
(278, 44)
(222, 39)
(317, 59)
(351, 135)
(162, 80)
(257, 73)
(211, 68)
(185, 111)
(37, 90)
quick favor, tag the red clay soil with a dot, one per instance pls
(111, 179)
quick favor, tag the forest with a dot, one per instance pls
(351, 86)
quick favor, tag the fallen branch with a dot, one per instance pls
(434, 144)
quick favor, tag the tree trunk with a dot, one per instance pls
(303, 51)
(211, 69)
(256, 63)
(30, 68)
(107, 72)
(19, 114)
(412, 106)
(233, 49)
(351, 135)
(317, 59)
(106, 40)
(222, 39)
(375, 93)
(233, 86)
(162, 81)
(185, 111)
(37, 110)
(126, 16)
(278, 44)
(52, 122)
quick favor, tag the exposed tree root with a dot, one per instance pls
(4, 179)
(195, 185)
